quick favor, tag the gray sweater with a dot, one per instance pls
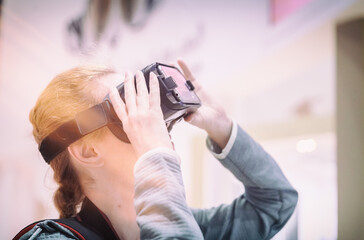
(162, 212)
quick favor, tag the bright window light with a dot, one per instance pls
(306, 145)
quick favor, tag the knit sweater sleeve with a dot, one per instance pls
(269, 199)
(160, 203)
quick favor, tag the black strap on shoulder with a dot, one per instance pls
(89, 223)
(76, 227)
(94, 219)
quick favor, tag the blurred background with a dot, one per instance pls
(290, 72)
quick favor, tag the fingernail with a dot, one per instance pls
(137, 75)
(127, 75)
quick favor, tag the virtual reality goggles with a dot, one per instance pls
(178, 99)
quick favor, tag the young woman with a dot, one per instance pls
(113, 189)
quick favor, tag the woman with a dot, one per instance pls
(135, 190)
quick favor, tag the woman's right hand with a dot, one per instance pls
(211, 116)
(141, 113)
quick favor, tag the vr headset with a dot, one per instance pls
(178, 99)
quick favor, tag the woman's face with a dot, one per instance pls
(118, 155)
(114, 155)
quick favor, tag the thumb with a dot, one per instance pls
(194, 119)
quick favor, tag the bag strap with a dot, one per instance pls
(76, 227)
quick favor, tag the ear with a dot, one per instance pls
(86, 153)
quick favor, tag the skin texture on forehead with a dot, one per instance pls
(106, 83)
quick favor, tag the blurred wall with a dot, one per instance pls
(350, 128)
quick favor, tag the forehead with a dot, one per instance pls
(100, 88)
(114, 79)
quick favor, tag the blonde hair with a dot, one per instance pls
(67, 94)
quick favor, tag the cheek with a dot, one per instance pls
(118, 152)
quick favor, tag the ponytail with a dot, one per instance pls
(69, 194)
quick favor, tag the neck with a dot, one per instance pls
(115, 198)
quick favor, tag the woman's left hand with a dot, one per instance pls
(141, 114)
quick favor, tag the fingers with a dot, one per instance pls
(154, 97)
(118, 104)
(186, 70)
(142, 91)
(137, 97)
(188, 75)
(195, 119)
(130, 94)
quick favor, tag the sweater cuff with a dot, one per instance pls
(160, 150)
(216, 151)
